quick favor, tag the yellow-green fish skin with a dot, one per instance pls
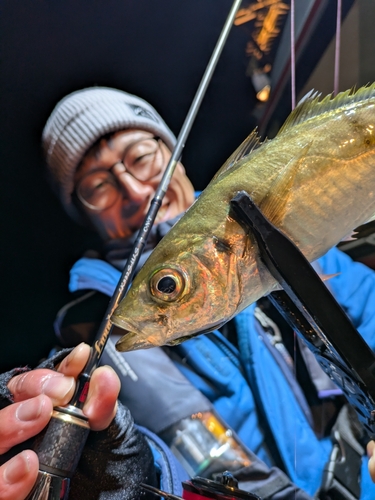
(315, 181)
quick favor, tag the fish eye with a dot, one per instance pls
(168, 284)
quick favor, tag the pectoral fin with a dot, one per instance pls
(326, 277)
(274, 204)
(352, 236)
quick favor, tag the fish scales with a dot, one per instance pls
(315, 181)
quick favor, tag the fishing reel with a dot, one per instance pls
(223, 487)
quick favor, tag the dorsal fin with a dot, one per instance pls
(251, 143)
(310, 106)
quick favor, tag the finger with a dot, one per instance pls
(42, 381)
(371, 467)
(75, 362)
(370, 448)
(21, 421)
(18, 475)
(371, 455)
(101, 403)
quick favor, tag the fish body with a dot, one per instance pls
(315, 181)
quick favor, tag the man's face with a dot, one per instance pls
(117, 204)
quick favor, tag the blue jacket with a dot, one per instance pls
(253, 383)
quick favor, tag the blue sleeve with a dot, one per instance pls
(170, 471)
(354, 289)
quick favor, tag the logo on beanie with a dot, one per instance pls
(145, 113)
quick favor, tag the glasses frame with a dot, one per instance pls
(84, 202)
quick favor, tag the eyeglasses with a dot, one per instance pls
(143, 160)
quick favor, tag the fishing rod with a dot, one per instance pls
(58, 460)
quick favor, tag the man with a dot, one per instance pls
(105, 152)
(119, 454)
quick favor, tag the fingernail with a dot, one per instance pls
(30, 409)
(57, 387)
(73, 354)
(16, 468)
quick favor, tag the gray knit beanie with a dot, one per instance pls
(80, 119)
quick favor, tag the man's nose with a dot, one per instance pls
(134, 189)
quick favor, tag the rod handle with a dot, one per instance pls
(59, 448)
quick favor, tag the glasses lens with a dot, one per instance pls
(98, 190)
(144, 159)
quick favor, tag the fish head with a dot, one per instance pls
(186, 286)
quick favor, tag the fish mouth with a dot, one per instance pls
(131, 342)
(131, 339)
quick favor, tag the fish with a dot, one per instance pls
(315, 181)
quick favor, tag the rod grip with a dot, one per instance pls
(59, 446)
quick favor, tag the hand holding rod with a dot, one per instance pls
(60, 446)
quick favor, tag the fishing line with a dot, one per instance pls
(292, 54)
(295, 375)
(337, 49)
(293, 101)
